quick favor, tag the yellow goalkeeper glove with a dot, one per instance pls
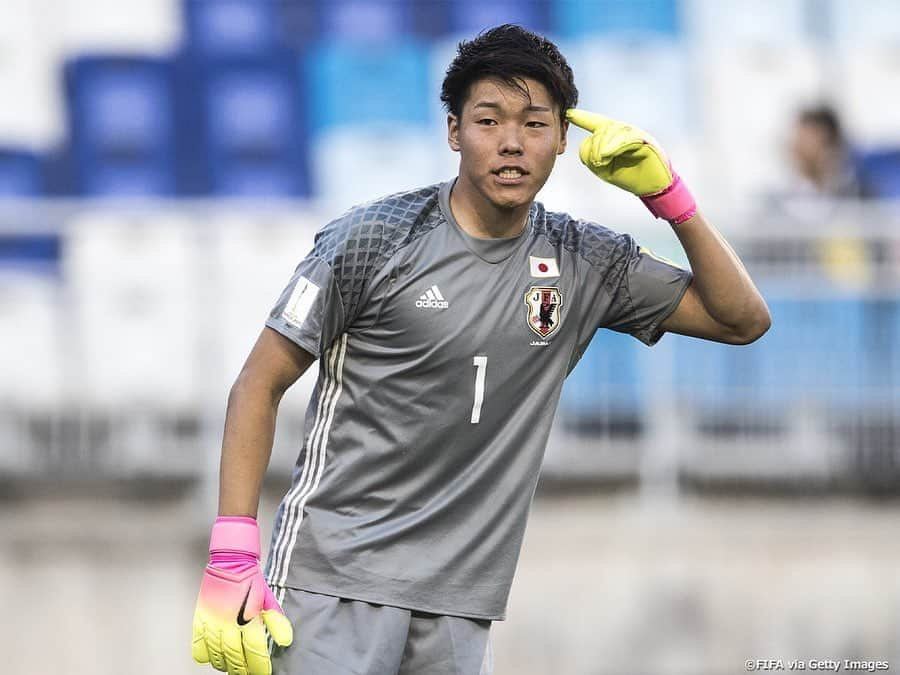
(631, 159)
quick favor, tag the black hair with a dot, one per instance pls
(826, 118)
(509, 53)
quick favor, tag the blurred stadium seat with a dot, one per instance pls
(391, 159)
(31, 362)
(879, 173)
(469, 17)
(616, 74)
(854, 24)
(365, 21)
(359, 85)
(866, 77)
(221, 28)
(134, 282)
(573, 19)
(122, 119)
(747, 23)
(605, 390)
(20, 173)
(136, 318)
(33, 367)
(255, 143)
(32, 114)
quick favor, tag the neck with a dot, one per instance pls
(479, 218)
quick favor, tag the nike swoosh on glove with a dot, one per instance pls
(630, 158)
(235, 605)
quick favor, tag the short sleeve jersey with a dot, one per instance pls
(442, 357)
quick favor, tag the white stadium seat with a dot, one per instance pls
(29, 76)
(134, 282)
(355, 165)
(737, 23)
(32, 367)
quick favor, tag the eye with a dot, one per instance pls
(487, 121)
(534, 124)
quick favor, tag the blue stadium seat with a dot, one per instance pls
(879, 174)
(254, 127)
(607, 380)
(233, 27)
(121, 112)
(575, 18)
(20, 173)
(472, 16)
(356, 84)
(366, 20)
(815, 352)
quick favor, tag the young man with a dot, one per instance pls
(445, 320)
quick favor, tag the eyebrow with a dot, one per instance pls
(492, 104)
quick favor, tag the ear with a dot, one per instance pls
(562, 141)
(453, 132)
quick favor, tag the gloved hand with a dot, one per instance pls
(630, 158)
(236, 606)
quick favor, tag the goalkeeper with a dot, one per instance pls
(444, 321)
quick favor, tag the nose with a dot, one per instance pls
(511, 142)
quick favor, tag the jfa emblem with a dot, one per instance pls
(543, 304)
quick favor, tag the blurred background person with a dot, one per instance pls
(822, 156)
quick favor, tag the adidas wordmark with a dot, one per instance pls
(432, 299)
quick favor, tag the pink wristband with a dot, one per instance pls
(235, 534)
(675, 203)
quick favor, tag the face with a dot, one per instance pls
(809, 146)
(507, 142)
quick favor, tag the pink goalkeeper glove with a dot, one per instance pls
(236, 606)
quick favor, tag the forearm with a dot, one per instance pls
(246, 446)
(722, 283)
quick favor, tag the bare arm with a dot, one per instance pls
(722, 303)
(274, 364)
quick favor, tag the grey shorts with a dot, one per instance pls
(336, 636)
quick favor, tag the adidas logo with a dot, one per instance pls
(432, 298)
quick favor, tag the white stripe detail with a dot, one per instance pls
(437, 292)
(310, 465)
(309, 469)
(321, 467)
(429, 294)
(303, 482)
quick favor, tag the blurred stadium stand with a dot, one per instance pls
(130, 304)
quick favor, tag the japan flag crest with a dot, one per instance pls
(543, 303)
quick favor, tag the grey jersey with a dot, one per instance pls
(442, 357)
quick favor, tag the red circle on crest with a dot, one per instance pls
(543, 267)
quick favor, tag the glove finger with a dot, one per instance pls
(584, 151)
(214, 648)
(233, 649)
(198, 643)
(279, 627)
(589, 121)
(269, 601)
(256, 649)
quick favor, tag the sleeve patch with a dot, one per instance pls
(301, 301)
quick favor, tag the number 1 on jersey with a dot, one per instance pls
(480, 363)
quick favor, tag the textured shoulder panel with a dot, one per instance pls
(359, 242)
(598, 245)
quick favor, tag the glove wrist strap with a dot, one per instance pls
(675, 204)
(235, 534)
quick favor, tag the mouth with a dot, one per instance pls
(510, 175)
